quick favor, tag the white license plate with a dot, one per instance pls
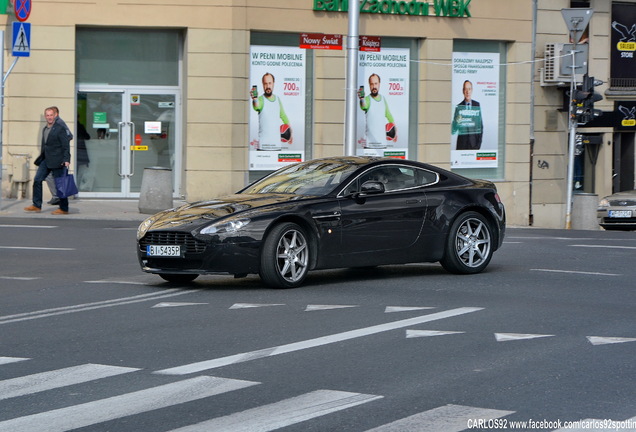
(620, 213)
(164, 251)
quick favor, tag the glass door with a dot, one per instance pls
(121, 132)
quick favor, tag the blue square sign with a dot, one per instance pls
(21, 41)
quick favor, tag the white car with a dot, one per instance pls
(618, 211)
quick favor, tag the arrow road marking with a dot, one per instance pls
(253, 305)
(311, 343)
(7, 360)
(310, 308)
(598, 340)
(168, 304)
(504, 337)
(427, 333)
(390, 309)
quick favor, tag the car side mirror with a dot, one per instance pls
(372, 187)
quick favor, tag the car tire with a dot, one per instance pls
(285, 256)
(178, 278)
(469, 246)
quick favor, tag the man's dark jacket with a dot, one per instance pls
(57, 149)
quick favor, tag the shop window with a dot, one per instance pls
(127, 56)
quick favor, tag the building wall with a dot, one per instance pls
(550, 161)
(216, 71)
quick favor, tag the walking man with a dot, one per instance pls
(55, 157)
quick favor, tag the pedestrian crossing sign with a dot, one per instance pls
(21, 39)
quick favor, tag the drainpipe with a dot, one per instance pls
(532, 102)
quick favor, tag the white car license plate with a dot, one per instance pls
(620, 213)
(164, 251)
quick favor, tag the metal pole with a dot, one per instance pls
(351, 84)
(572, 144)
(1, 108)
(4, 79)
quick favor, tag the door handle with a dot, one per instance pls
(413, 201)
(132, 151)
(120, 149)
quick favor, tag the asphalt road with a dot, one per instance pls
(546, 336)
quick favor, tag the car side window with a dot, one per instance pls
(394, 178)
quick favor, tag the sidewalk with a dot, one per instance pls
(81, 208)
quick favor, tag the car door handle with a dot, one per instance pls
(413, 201)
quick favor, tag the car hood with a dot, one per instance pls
(205, 211)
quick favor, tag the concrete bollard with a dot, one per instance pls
(584, 207)
(156, 190)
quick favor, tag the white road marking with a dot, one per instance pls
(311, 308)
(448, 418)
(7, 360)
(90, 413)
(19, 278)
(576, 272)
(91, 306)
(605, 246)
(58, 378)
(29, 226)
(168, 304)
(106, 281)
(390, 309)
(254, 305)
(428, 333)
(284, 413)
(599, 340)
(504, 337)
(37, 248)
(311, 343)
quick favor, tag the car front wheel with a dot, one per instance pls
(285, 256)
(469, 246)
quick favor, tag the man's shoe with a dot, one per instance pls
(54, 201)
(33, 208)
(59, 212)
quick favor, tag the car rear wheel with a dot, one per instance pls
(178, 278)
(469, 246)
(285, 256)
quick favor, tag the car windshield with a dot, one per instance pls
(307, 178)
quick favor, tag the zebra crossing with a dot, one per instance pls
(267, 417)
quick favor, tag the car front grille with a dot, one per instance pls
(186, 240)
(622, 202)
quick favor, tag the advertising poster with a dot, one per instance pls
(623, 42)
(277, 106)
(383, 99)
(475, 110)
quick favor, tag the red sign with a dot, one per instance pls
(22, 9)
(370, 43)
(138, 139)
(320, 41)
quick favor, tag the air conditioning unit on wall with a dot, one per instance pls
(555, 57)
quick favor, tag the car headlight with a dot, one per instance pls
(144, 227)
(226, 227)
(604, 203)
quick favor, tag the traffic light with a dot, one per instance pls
(583, 100)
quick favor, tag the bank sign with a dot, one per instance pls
(449, 8)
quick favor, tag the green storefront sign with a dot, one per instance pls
(440, 8)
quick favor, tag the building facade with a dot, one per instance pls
(184, 86)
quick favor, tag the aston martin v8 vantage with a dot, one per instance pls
(329, 213)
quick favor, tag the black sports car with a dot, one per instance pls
(329, 213)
